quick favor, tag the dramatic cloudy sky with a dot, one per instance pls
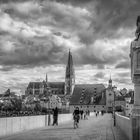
(35, 36)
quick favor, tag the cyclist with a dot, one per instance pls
(76, 117)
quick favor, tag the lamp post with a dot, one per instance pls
(49, 116)
(114, 109)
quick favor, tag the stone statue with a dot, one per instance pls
(137, 33)
(134, 51)
(135, 76)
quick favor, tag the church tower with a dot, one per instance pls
(110, 82)
(110, 95)
(46, 78)
(70, 76)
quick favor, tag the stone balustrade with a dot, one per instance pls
(13, 125)
(125, 124)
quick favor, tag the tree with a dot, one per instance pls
(37, 107)
(17, 104)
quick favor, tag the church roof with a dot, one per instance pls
(59, 85)
(36, 85)
(88, 91)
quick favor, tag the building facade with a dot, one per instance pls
(129, 104)
(110, 96)
(88, 96)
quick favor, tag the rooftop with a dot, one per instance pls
(56, 85)
(86, 92)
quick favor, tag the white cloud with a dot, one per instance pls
(54, 27)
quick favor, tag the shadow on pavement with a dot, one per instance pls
(58, 128)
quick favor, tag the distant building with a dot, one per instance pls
(128, 106)
(123, 91)
(55, 101)
(36, 88)
(120, 101)
(91, 96)
(62, 89)
(110, 96)
(57, 88)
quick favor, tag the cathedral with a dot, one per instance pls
(56, 88)
(68, 91)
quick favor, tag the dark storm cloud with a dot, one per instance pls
(98, 57)
(99, 75)
(112, 15)
(35, 34)
(104, 21)
(36, 55)
(100, 66)
(74, 1)
(123, 80)
(109, 17)
(7, 68)
(124, 74)
(123, 64)
(7, 1)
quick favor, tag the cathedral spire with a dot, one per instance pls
(70, 75)
(46, 78)
(110, 81)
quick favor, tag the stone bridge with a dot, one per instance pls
(94, 128)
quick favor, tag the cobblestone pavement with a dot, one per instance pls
(95, 128)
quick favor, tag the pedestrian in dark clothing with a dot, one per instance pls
(81, 113)
(96, 113)
(76, 114)
(88, 113)
(55, 116)
(102, 112)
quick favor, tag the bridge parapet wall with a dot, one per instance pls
(11, 125)
(125, 124)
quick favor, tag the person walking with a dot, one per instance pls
(88, 112)
(81, 113)
(85, 114)
(55, 116)
(96, 113)
(76, 117)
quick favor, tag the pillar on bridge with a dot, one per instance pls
(135, 76)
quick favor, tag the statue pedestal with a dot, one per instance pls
(136, 123)
(135, 75)
(136, 111)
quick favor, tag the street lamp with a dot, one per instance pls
(114, 109)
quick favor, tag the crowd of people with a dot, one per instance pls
(80, 114)
(83, 114)
(77, 115)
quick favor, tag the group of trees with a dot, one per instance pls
(17, 107)
(11, 104)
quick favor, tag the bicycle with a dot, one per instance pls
(76, 121)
